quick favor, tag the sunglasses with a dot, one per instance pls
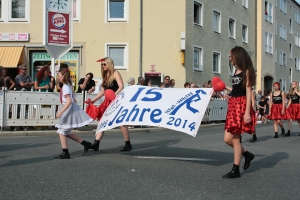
(24, 69)
(167, 79)
(103, 64)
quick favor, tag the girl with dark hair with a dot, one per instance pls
(112, 80)
(70, 116)
(240, 116)
(293, 107)
(277, 110)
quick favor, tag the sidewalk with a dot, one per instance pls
(86, 130)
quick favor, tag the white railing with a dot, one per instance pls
(21, 108)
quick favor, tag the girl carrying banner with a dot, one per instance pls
(111, 80)
(70, 116)
(277, 109)
(293, 107)
(240, 116)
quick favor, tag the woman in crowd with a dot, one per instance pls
(293, 107)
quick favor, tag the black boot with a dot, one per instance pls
(127, 146)
(248, 158)
(288, 134)
(276, 135)
(65, 155)
(95, 146)
(282, 132)
(254, 138)
(234, 173)
(86, 145)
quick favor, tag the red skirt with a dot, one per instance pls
(276, 113)
(235, 123)
(102, 108)
(294, 111)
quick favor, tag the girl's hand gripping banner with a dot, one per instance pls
(179, 109)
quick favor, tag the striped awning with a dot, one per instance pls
(10, 56)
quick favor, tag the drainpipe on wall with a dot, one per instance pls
(141, 39)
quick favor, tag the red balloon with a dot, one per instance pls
(109, 94)
(218, 84)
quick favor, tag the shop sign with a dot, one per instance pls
(11, 37)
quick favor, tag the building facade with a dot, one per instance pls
(188, 41)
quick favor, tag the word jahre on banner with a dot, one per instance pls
(177, 109)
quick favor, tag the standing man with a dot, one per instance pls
(167, 81)
(23, 83)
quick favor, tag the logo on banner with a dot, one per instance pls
(58, 20)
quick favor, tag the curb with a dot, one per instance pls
(90, 131)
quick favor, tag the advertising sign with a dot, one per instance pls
(58, 31)
(179, 109)
(14, 37)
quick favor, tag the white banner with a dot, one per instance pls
(172, 108)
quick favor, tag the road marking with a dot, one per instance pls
(174, 158)
(145, 148)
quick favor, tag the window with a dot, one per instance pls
(198, 59)
(291, 51)
(0, 9)
(197, 13)
(268, 12)
(14, 10)
(117, 10)
(297, 40)
(119, 54)
(216, 21)
(216, 62)
(231, 28)
(283, 5)
(245, 33)
(291, 26)
(282, 58)
(76, 10)
(291, 8)
(245, 3)
(268, 41)
(282, 82)
(297, 16)
(282, 31)
(231, 68)
(297, 64)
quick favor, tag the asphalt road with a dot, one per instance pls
(164, 164)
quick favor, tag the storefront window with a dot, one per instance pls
(18, 9)
(39, 59)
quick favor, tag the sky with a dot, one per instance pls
(298, 1)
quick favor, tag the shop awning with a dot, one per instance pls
(10, 56)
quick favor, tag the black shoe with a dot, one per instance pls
(87, 145)
(127, 147)
(253, 139)
(248, 158)
(282, 132)
(95, 146)
(234, 173)
(276, 135)
(288, 134)
(63, 156)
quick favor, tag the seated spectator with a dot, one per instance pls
(6, 81)
(186, 85)
(193, 85)
(42, 80)
(130, 81)
(167, 81)
(86, 84)
(172, 83)
(141, 81)
(161, 85)
(147, 82)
